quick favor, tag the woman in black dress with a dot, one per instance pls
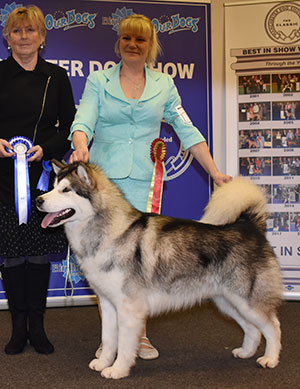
(36, 102)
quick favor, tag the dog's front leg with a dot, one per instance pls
(131, 319)
(109, 337)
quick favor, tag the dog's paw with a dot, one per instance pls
(241, 353)
(115, 373)
(267, 362)
(96, 364)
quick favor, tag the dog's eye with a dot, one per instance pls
(66, 190)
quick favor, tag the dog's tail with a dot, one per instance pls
(230, 200)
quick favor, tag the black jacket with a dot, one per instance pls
(21, 96)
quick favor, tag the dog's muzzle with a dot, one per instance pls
(39, 201)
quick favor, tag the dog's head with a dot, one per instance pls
(71, 197)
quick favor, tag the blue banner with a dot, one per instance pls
(81, 37)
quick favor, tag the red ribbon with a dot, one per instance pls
(158, 155)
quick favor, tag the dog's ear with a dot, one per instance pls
(57, 166)
(83, 174)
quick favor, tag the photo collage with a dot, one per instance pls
(269, 143)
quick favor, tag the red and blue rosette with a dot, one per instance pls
(158, 155)
(20, 146)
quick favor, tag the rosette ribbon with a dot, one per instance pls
(158, 155)
(43, 183)
(20, 145)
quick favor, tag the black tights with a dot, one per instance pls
(38, 260)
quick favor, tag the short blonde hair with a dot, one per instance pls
(30, 13)
(140, 25)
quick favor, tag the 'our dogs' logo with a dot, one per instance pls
(282, 23)
(70, 19)
(175, 23)
(4, 12)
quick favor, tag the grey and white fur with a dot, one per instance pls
(142, 264)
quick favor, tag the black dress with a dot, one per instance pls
(21, 96)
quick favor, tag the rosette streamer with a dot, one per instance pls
(20, 146)
(43, 183)
(158, 155)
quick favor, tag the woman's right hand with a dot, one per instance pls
(81, 151)
(3, 152)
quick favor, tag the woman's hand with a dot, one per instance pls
(80, 154)
(38, 153)
(3, 145)
(81, 151)
(221, 178)
(36, 150)
(202, 154)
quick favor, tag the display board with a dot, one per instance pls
(81, 37)
(263, 117)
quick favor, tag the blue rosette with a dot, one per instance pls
(20, 146)
(43, 183)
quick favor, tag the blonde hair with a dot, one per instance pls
(30, 13)
(140, 25)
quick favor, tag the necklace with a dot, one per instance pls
(137, 85)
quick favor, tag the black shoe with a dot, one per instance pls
(41, 343)
(37, 288)
(16, 344)
(14, 281)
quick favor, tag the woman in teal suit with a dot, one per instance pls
(122, 108)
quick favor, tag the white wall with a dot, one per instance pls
(218, 80)
(218, 83)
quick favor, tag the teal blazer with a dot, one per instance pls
(124, 128)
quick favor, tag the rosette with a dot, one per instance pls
(20, 146)
(158, 155)
(43, 183)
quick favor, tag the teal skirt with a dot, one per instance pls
(135, 191)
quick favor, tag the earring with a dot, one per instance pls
(42, 45)
(8, 48)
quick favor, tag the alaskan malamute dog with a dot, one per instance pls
(143, 264)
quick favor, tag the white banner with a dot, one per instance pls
(263, 117)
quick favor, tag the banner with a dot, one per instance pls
(81, 37)
(263, 117)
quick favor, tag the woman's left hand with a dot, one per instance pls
(221, 178)
(38, 153)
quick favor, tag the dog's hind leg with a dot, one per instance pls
(269, 326)
(109, 337)
(272, 333)
(131, 319)
(252, 335)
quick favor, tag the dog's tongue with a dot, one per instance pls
(48, 219)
